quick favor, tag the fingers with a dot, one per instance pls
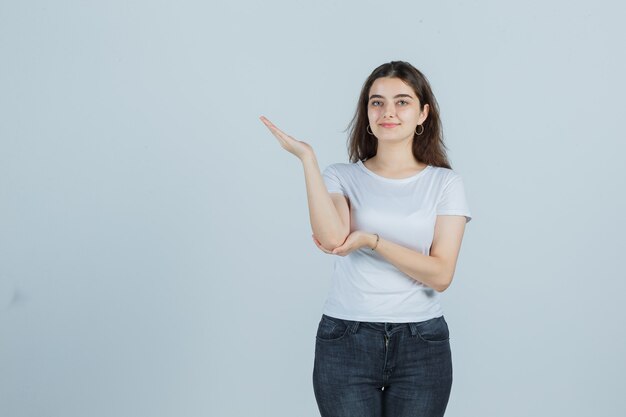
(266, 121)
(291, 144)
(274, 128)
(270, 125)
(280, 135)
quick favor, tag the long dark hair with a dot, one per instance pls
(428, 147)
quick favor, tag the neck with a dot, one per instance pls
(394, 156)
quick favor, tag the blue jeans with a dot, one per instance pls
(371, 369)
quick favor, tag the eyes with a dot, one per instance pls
(378, 103)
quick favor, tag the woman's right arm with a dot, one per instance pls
(330, 216)
(329, 213)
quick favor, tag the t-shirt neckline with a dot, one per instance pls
(392, 180)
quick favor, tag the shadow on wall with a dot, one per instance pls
(10, 295)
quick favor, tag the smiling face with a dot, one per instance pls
(394, 110)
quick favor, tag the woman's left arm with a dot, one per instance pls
(435, 270)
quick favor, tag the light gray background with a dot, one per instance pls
(156, 252)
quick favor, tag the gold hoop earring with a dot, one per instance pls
(421, 131)
(369, 130)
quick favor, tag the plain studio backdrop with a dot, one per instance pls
(156, 251)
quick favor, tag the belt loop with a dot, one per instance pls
(413, 327)
(354, 326)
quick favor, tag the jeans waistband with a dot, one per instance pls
(380, 326)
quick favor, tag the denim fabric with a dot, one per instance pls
(365, 369)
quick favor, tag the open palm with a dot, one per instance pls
(297, 147)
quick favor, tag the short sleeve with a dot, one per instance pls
(332, 181)
(452, 200)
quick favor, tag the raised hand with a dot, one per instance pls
(292, 145)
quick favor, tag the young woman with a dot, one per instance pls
(395, 217)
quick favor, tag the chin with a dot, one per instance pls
(391, 137)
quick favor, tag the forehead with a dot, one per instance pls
(386, 86)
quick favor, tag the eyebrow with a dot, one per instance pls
(399, 95)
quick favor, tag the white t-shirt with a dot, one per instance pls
(364, 285)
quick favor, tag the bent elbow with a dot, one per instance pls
(331, 244)
(443, 284)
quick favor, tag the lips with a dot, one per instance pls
(388, 125)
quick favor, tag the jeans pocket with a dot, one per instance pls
(434, 330)
(331, 329)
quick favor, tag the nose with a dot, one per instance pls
(390, 110)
